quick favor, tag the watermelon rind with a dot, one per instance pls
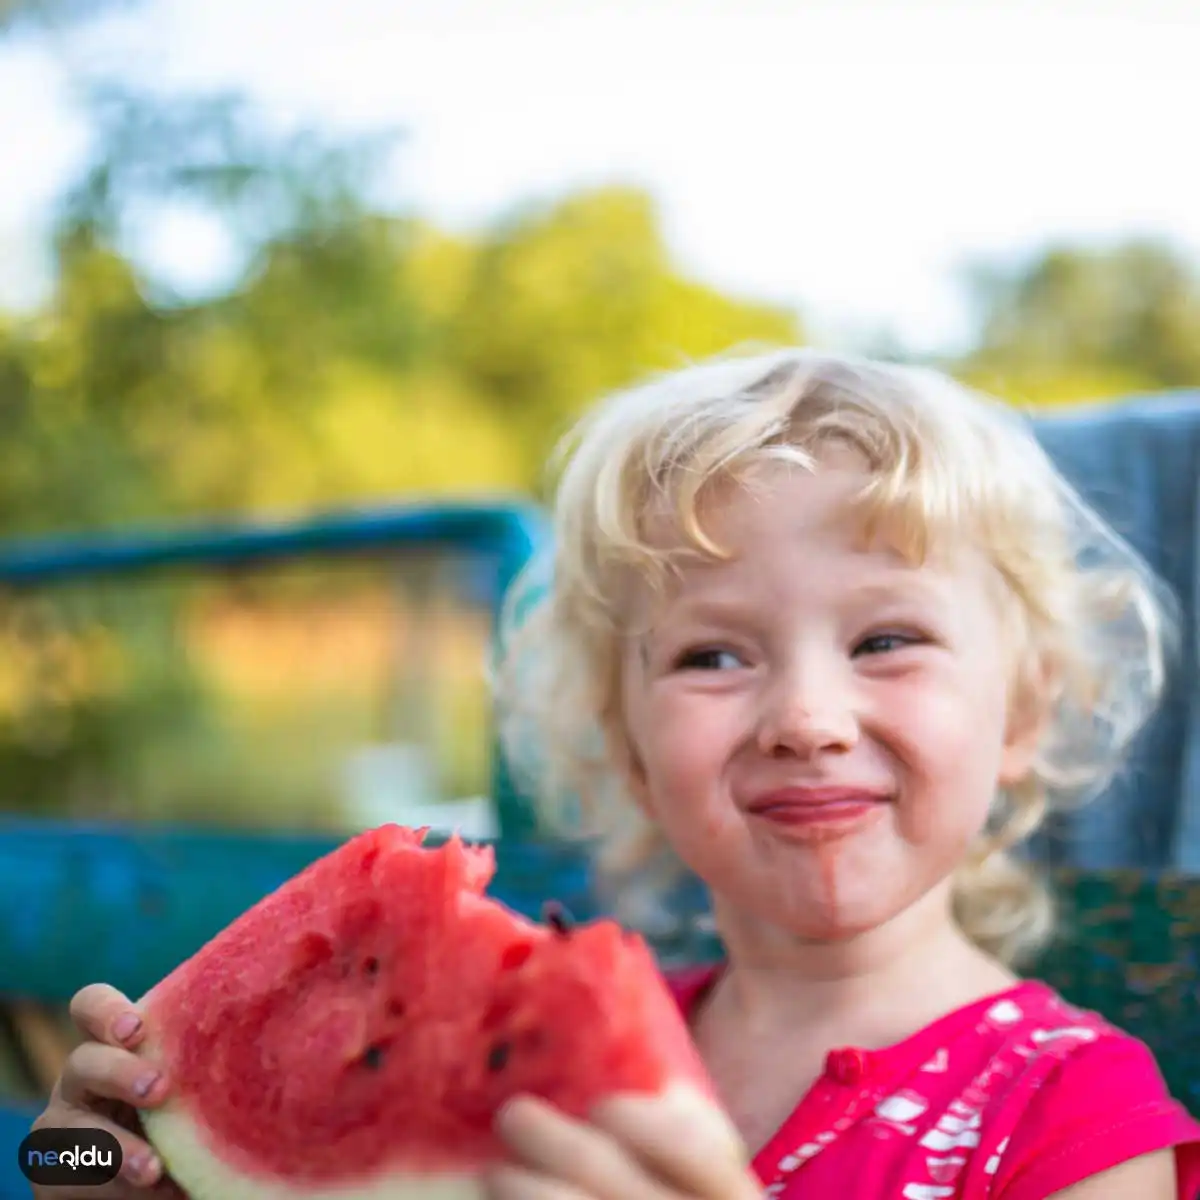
(204, 1176)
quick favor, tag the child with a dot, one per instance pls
(832, 635)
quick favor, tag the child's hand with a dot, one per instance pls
(677, 1147)
(102, 1085)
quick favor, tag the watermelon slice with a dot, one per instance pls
(354, 1033)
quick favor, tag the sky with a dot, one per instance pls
(845, 157)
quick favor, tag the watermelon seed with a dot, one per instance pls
(556, 916)
(371, 966)
(395, 1008)
(498, 1056)
(373, 1058)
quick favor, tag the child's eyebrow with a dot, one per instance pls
(899, 586)
(899, 589)
(713, 610)
(905, 588)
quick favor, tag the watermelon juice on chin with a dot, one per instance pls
(355, 1033)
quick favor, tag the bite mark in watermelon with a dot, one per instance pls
(354, 1034)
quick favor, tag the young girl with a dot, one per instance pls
(833, 635)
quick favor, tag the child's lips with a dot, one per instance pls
(815, 799)
(819, 812)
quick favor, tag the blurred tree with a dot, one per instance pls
(354, 355)
(349, 355)
(1088, 323)
(563, 302)
(122, 402)
(519, 327)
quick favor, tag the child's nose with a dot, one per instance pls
(803, 720)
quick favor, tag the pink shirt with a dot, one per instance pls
(1014, 1097)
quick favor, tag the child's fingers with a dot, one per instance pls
(683, 1138)
(578, 1157)
(94, 1070)
(140, 1166)
(106, 1015)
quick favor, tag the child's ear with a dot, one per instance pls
(1028, 715)
(625, 758)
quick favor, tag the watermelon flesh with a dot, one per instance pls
(355, 1033)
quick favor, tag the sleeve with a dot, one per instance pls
(1103, 1104)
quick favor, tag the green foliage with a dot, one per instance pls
(1078, 324)
(362, 355)
(566, 301)
(359, 355)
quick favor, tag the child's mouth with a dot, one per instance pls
(819, 813)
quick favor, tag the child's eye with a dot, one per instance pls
(708, 658)
(884, 643)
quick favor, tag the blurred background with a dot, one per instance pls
(263, 259)
(271, 262)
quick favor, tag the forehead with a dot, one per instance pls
(774, 503)
(786, 523)
(787, 501)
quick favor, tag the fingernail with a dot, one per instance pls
(145, 1085)
(144, 1167)
(126, 1026)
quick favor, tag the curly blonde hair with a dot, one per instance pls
(1090, 622)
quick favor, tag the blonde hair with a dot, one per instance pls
(1090, 621)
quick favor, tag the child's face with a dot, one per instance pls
(819, 728)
